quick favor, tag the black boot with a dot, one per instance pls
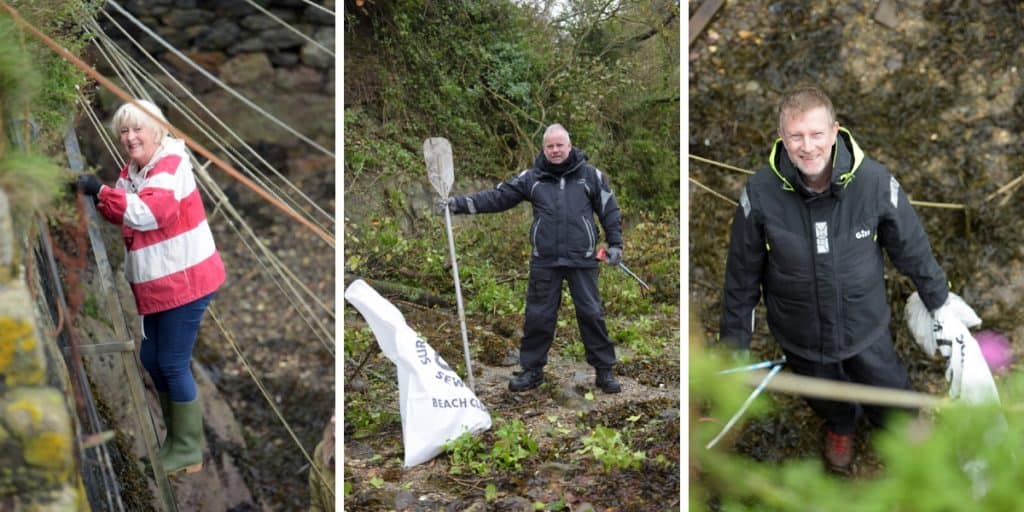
(606, 381)
(528, 379)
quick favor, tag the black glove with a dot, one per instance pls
(614, 255)
(89, 184)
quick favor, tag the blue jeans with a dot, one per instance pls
(166, 350)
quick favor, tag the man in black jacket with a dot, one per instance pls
(808, 234)
(565, 192)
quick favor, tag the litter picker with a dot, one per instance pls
(750, 399)
(755, 366)
(602, 255)
(437, 151)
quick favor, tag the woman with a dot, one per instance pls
(172, 265)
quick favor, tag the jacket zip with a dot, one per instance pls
(533, 237)
(590, 236)
(809, 226)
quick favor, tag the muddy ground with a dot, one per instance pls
(557, 415)
(932, 90)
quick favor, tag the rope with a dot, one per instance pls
(720, 164)
(201, 125)
(324, 333)
(105, 138)
(289, 27)
(322, 8)
(178, 133)
(284, 273)
(218, 81)
(1005, 188)
(926, 204)
(252, 374)
(714, 192)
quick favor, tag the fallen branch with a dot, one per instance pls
(406, 292)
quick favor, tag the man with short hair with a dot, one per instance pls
(808, 235)
(566, 193)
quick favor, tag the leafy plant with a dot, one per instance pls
(606, 445)
(53, 104)
(513, 444)
(31, 181)
(364, 416)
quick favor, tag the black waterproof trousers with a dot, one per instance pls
(877, 365)
(544, 297)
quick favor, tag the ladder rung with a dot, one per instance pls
(95, 349)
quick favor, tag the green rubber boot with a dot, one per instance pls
(184, 446)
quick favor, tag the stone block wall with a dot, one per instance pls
(38, 467)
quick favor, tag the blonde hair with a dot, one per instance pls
(802, 99)
(131, 114)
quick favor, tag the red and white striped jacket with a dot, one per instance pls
(172, 259)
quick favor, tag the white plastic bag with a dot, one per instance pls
(968, 374)
(436, 405)
(947, 333)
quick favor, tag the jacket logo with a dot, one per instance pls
(862, 233)
(821, 237)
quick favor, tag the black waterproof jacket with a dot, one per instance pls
(817, 258)
(565, 199)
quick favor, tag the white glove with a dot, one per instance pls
(937, 331)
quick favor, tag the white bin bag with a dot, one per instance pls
(436, 405)
(969, 376)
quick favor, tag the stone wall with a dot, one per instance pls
(38, 469)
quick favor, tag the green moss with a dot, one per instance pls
(13, 333)
(50, 450)
(27, 409)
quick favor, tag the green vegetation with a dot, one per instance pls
(53, 105)
(607, 446)
(31, 181)
(490, 76)
(37, 99)
(511, 445)
(963, 458)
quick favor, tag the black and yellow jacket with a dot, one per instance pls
(817, 257)
(565, 199)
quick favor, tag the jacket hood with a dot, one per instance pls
(846, 159)
(575, 160)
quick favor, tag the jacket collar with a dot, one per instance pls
(575, 161)
(846, 159)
